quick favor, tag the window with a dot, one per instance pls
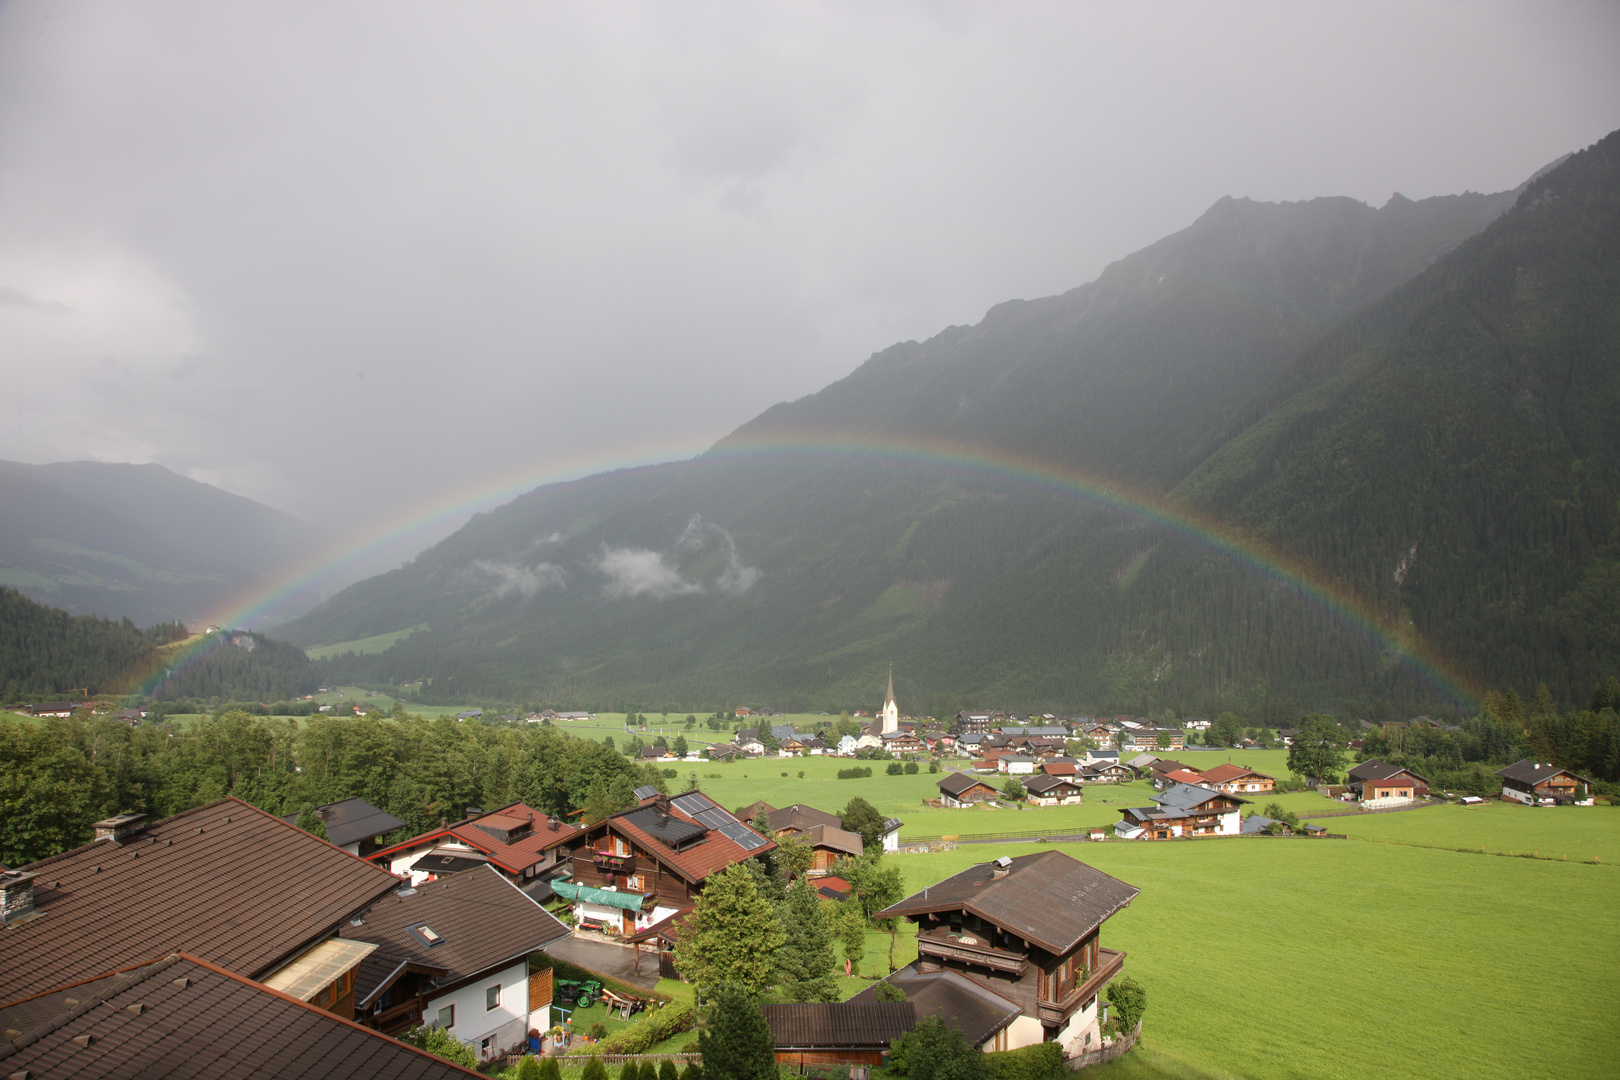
(492, 997)
(447, 1017)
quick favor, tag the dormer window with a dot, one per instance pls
(426, 934)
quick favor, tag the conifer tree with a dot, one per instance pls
(804, 964)
(738, 1043)
(731, 937)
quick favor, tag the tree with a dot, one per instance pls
(594, 1070)
(311, 822)
(738, 1043)
(1317, 751)
(1129, 1001)
(1012, 790)
(895, 768)
(934, 1051)
(598, 803)
(732, 935)
(804, 964)
(862, 817)
(441, 1043)
(793, 855)
(666, 1071)
(679, 746)
(852, 934)
(1163, 741)
(887, 991)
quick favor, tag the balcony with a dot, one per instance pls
(1110, 962)
(399, 1018)
(970, 948)
(610, 863)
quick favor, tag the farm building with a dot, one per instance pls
(1376, 784)
(1183, 810)
(1527, 782)
(959, 789)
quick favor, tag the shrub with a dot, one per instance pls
(691, 1072)
(933, 766)
(441, 1043)
(1042, 1061)
(911, 767)
(594, 1070)
(854, 773)
(895, 768)
(597, 1030)
(1129, 1001)
(648, 1032)
(529, 1069)
(666, 1071)
(669, 773)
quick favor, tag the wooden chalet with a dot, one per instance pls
(521, 842)
(1046, 789)
(1238, 779)
(1376, 784)
(1183, 810)
(640, 866)
(1170, 779)
(1107, 772)
(1530, 783)
(839, 1033)
(354, 825)
(1023, 931)
(960, 789)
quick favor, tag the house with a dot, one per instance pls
(891, 834)
(1048, 790)
(1161, 767)
(1177, 776)
(1099, 733)
(1528, 782)
(476, 931)
(837, 1033)
(1376, 784)
(975, 722)
(642, 865)
(183, 1016)
(1024, 931)
(354, 825)
(1236, 779)
(744, 711)
(847, 746)
(1183, 810)
(902, 742)
(470, 714)
(55, 708)
(824, 832)
(830, 844)
(970, 744)
(521, 842)
(1256, 824)
(1065, 767)
(959, 789)
(234, 886)
(1106, 773)
(1016, 764)
(1147, 738)
(723, 752)
(829, 887)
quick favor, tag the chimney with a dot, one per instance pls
(119, 828)
(474, 812)
(553, 824)
(661, 804)
(1001, 867)
(16, 895)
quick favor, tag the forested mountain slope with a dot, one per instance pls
(793, 579)
(138, 541)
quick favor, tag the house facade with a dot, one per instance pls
(1238, 780)
(1377, 785)
(1184, 810)
(961, 789)
(1529, 782)
(1026, 930)
(1047, 790)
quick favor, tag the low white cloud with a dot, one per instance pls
(737, 577)
(637, 571)
(526, 581)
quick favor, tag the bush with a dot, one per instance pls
(529, 1069)
(1129, 1001)
(441, 1043)
(895, 768)
(911, 768)
(933, 766)
(597, 1030)
(1042, 1061)
(669, 774)
(854, 773)
(594, 1070)
(647, 1032)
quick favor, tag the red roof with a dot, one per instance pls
(485, 834)
(1061, 768)
(695, 863)
(1222, 774)
(1184, 776)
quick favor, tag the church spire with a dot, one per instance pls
(889, 719)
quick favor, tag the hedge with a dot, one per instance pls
(1041, 1061)
(647, 1032)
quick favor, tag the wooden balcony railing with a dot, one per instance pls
(971, 949)
(1110, 962)
(392, 1021)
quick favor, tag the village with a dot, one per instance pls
(500, 931)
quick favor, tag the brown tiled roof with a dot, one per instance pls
(803, 818)
(825, 836)
(1061, 768)
(237, 886)
(841, 1024)
(958, 782)
(514, 857)
(185, 1019)
(1183, 776)
(668, 928)
(1222, 774)
(1049, 898)
(973, 1007)
(1379, 772)
(697, 861)
(482, 919)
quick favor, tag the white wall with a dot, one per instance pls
(1073, 1036)
(508, 1023)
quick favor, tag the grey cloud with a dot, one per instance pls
(526, 581)
(736, 578)
(638, 572)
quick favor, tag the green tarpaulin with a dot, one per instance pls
(627, 901)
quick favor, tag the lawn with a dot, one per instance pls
(1549, 832)
(376, 643)
(1323, 958)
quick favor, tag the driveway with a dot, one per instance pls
(618, 961)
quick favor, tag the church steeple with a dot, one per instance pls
(891, 711)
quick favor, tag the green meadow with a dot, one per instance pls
(376, 643)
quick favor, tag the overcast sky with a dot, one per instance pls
(349, 258)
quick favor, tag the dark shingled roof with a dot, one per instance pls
(1049, 898)
(958, 782)
(979, 1011)
(227, 882)
(1530, 773)
(1376, 772)
(1184, 797)
(842, 1024)
(185, 1019)
(350, 821)
(483, 919)
(803, 818)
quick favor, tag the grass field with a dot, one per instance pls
(376, 643)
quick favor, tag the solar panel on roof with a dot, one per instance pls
(646, 791)
(693, 802)
(743, 836)
(714, 819)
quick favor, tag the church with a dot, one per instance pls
(886, 722)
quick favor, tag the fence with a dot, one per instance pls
(991, 837)
(511, 1060)
(1106, 1053)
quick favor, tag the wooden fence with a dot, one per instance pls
(511, 1060)
(1106, 1053)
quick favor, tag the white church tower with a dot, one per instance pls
(891, 711)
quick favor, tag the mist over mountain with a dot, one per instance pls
(139, 542)
(1211, 365)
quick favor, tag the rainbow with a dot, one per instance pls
(984, 463)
